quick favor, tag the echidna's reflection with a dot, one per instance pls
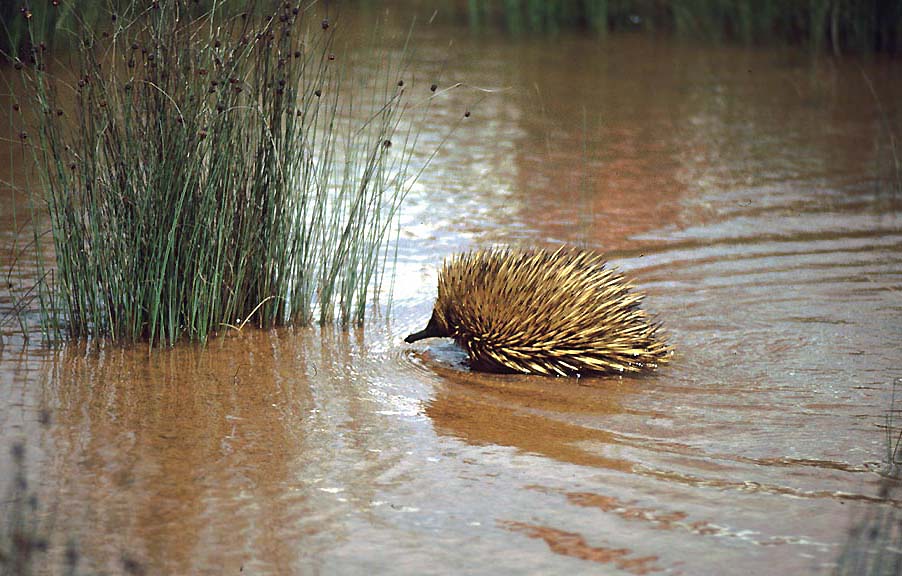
(532, 413)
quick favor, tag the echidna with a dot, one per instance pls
(546, 312)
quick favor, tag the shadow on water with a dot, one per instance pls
(577, 422)
(874, 547)
(533, 415)
(529, 413)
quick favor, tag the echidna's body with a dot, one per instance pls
(543, 312)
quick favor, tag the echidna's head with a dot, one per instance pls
(435, 328)
(462, 292)
(457, 278)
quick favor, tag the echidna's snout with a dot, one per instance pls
(432, 330)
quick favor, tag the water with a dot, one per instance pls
(746, 190)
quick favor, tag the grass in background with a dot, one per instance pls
(837, 25)
(203, 171)
(53, 24)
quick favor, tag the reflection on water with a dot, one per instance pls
(528, 413)
(572, 544)
(745, 190)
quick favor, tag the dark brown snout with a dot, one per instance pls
(432, 330)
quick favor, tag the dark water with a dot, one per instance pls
(748, 191)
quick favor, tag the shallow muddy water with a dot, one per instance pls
(746, 190)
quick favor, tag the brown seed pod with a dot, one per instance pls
(556, 313)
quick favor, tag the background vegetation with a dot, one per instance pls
(837, 25)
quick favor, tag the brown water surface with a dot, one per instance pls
(745, 189)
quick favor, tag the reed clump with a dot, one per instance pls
(202, 169)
